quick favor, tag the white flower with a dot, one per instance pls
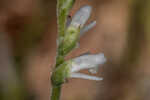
(86, 62)
(80, 18)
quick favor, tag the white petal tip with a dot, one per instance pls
(102, 57)
(87, 8)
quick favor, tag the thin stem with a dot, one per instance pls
(56, 92)
(63, 7)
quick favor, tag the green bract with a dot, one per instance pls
(70, 40)
(61, 73)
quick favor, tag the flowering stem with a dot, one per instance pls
(63, 7)
(69, 33)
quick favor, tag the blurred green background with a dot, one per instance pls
(28, 32)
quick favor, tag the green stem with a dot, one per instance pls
(59, 60)
(56, 91)
(58, 77)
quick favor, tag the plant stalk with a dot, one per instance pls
(56, 92)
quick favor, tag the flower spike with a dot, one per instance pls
(69, 32)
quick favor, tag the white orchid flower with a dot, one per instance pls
(71, 68)
(86, 62)
(80, 18)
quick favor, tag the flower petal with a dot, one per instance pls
(84, 76)
(82, 15)
(87, 28)
(94, 70)
(87, 61)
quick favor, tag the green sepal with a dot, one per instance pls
(70, 40)
(61, 73)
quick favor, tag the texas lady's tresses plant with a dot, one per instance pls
(69, 32)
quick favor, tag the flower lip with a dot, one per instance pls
(84, 76)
